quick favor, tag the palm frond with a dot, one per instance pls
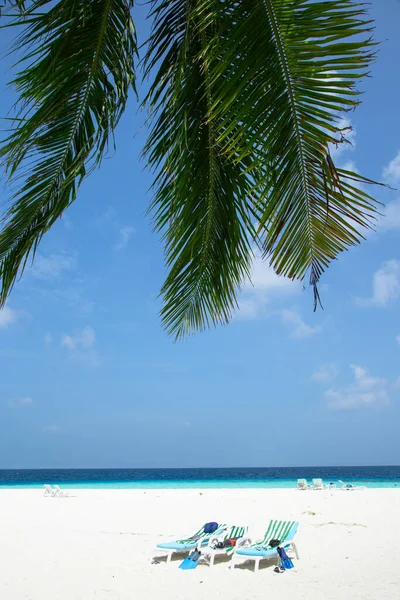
(203, 199)
(284, 72)
(73, 83)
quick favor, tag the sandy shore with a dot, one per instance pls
(97, 544)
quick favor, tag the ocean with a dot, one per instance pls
(257, 477)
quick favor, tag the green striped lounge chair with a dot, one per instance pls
(277, 530)
(199, 539)
(210, 551)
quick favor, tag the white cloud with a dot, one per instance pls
(299, 329)
(397, 383)
(390, 219)
(385, 285)
(48, 339)
(365, 391)
(391, 173)
(24, 401)
(68, 224)
(348, 133)
(125, 234)
(79, 340)
(108, 217)
(81, 346)
(7, 317)
(52, 266)
(325, 373)
(51, 428)
(264, 285)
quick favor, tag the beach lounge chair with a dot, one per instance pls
(303, 485)
(318, 484)
(48, 490)
(211, 550)
(59, 492)
(185, 545)
(349, 487)
(277, 530)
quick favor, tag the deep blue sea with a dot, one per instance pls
(258, 477)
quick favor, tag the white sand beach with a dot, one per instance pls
(97, 545)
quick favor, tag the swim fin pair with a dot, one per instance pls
(191, 561)
(286, 562)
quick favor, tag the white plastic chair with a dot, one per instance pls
(302, 484)
(349, 487)
(318, 484)
(59, 493)
(48, 491)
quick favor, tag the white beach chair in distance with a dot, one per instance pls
(59, 493)
(48, 491)
(349, 487)
(303, 485)
(318, 484)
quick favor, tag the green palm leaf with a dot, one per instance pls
(76, 71)
(245, 100)
(284, 72)
(202, 198)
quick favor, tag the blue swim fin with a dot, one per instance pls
(286, 562)
(191, 561)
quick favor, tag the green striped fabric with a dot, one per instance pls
(233, 532)
(202, 535)
(277, 530)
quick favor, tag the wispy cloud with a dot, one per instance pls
(325, 373)
(68, 224)
(299, 329)
(106, 218)
(80, 345)
(385, 285)
(24, 401)
(390, 219)
(348, 134)
(265, 285)
(53, 428)
(52, 266)
(364, 392)
(7, 317)
(48, 339)
(391, 173)
(109, 220)
(82, 339)
(125, 234)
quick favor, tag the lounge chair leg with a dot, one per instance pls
(169, 556)
(211, 560)
(256, 565)
(295, 550)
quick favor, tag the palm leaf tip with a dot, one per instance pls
(73, 82)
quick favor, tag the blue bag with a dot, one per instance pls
(210, 527)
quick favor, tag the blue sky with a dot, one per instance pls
(88, 378)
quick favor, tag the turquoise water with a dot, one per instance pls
(260, 477)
